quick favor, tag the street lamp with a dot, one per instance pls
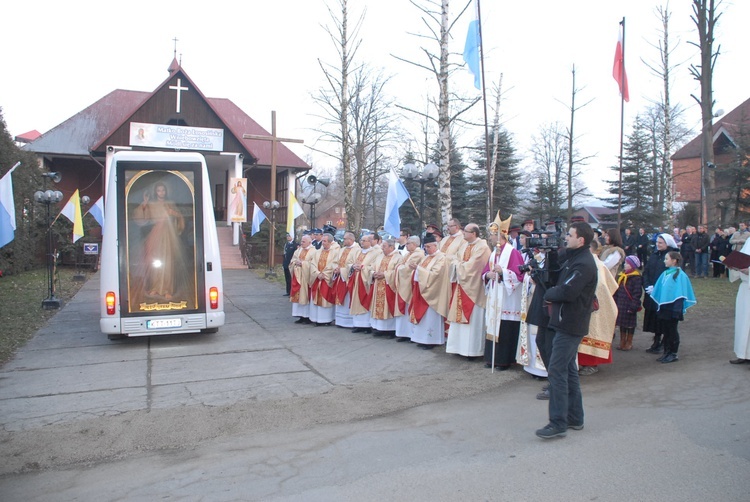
(428, 173)
(273, 206)
(48, 197)
(313, 197)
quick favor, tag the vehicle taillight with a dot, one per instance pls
(213, 296)
(110, 299)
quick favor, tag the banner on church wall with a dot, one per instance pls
(172, 136)
(237, 200)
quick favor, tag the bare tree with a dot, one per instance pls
(550, 157)
(498, 91)
(574, 160)
(435, 17)
(664, 122)
(705, 17)
(334, 98)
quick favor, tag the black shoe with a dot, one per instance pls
(503, 367)
(358, 330)
(670, 358)
(367, 331)
(663, 356)
(739, 360)
(403, 339)
(654, 349)
(578, 427)
(549, 432)
(543, 396)
(302, 320)
(426, 347)
(318, 324)
(378, 333)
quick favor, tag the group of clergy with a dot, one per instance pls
(459, 288)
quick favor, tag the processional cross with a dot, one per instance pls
(274, 141)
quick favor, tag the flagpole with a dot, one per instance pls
(490, 190)
(622, 126)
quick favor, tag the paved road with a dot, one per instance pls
(269, 410)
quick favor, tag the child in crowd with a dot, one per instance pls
(673, 294)
(628, 300)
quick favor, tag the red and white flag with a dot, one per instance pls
(618, 70)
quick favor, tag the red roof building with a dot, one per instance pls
(728, 132)
(78, 147)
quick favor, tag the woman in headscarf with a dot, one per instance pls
(651, 272)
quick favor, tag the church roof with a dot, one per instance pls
(729, 125)
(81, 132)
(89, 129)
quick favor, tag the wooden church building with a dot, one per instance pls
(79, 148)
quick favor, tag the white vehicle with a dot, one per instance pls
(160, 263)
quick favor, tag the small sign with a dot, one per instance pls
(177, 137)
(91, 248)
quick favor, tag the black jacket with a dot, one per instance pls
(573, 295)
(289, 248)
(700, 242)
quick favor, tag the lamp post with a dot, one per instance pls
(428, 173)
(48, 197)
(273, 206)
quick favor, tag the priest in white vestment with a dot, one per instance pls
(430, 296)
(300, 292)
(359, 285)
(404, 273)
(466, 331)
(383, 303)
(503, 313)
(451, 244)
(341, 271)
(742, 314)
(321, 282)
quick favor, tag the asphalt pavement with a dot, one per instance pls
(270, 410)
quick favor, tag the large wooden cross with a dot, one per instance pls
(274, 141)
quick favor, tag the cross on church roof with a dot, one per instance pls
(179, 89)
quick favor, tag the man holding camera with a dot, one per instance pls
(570, 304)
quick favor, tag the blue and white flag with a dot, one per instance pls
(258, 218)
(471, 48)
(7, 208)
(97, 211)
(397, 195)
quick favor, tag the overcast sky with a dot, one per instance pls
(59, 57)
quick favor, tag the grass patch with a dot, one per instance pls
(21, 312)
(714, 296)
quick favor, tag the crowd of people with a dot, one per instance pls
(522, 296)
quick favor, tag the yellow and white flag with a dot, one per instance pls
(72, 211)
(293, 211)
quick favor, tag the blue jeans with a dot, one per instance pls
(565, 400)
(701, 264)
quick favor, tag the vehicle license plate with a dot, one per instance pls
(163, 323)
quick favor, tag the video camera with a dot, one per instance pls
(548, 241)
